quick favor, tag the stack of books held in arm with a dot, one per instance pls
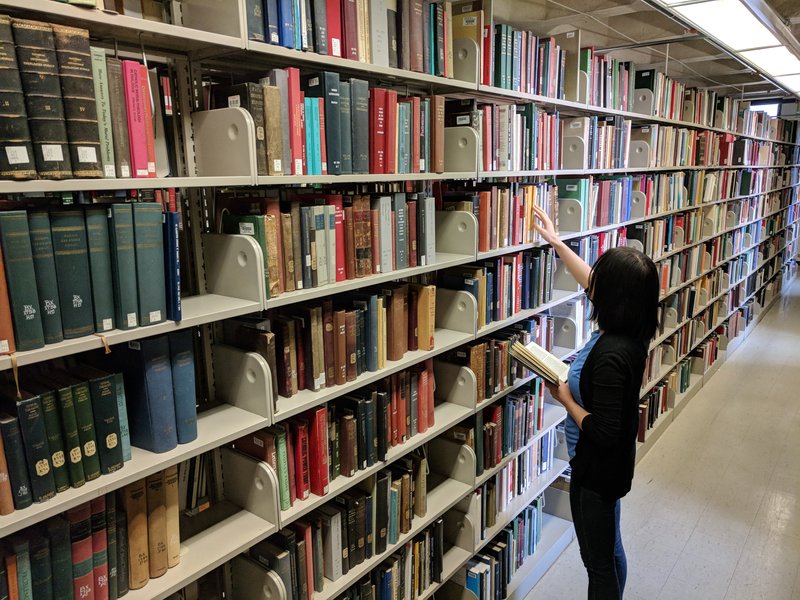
(540, 361)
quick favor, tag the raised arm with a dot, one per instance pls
(574, 263)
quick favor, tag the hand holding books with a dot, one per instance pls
(541, 362)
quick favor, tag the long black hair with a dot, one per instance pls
(624, 290)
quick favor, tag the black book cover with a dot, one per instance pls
(286, 540)
(41, 563)
(306, 229)
(391, 22)
(345, 128)
(38, 69)
(309, 26)
(16, 148)
(382, 421)
(382, 486)
(80, 107)
(359, 502)
(359, 110)
(348, 504)
(122, 553)
(321, 37)
(357, 406)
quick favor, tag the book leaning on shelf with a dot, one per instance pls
(541, 362)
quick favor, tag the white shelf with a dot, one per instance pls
(444, 260)
(559, 297)
(555, 537)
(110, 183)
(619, 171)
(360, 178)
(215, 427)
(448, 414)
(505, 392)
(197, 310)
(206, 551)
(444, 339)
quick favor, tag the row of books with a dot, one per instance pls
(67, 426)
(321, 125)
(490, 360)
(317, 239)
(73, 111)
(73, 273)
(488, 573)
(415, 35)
(357, 525)
(317, 346)
(349, 435)
(99, 549)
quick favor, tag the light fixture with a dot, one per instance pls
(730, 22)
(774, 61)
(790, 82)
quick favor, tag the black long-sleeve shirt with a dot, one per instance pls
(610, 383)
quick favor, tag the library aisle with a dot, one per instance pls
(715, 508)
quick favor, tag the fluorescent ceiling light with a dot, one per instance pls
(790, 82)
(730, 22)
(775, 61)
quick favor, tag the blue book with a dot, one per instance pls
(172, 266)
(404, 130)
(148, 390)
(286, 23)
(393, 513)
(473, 579)
(271, 21)
(122, 408)
(181, 351)
(299, 24)
(317, 137)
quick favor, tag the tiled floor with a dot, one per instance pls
(715, 508)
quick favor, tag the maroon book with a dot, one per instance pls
(80, 533)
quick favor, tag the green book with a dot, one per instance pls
(254, 226)
(55, 439)
(123, 266)
(74, 281)
(149, 248)
(41, 564)
(21, 278)
(28, 409)
(102, 387)
(44, 264)
(21, 548)
(84, 418)
(60, 556)
(100, 268)
(283, 467)
(122, 411)
(103, 101)
(69, 429)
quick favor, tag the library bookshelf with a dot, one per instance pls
(753, 233)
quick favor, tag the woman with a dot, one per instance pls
(602, 400)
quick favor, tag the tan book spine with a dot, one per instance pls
(381, 334)
(274, 130)
(288, 252)
(318, 335)
(426, 317)
(271, 231)
(157, 524)
(296, 245)
(173, 516)
(135, 498)
(437, 116)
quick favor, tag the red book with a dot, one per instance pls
(391, 132)
(375, 223)
(487, 146)
(301, 453)
(335, 200)
(99, 548)
(319, 451)
(296, 112)
(135, 110)
(150, 139)
(323, 149)
(377, 130)
(302, 530)
(411, 218)
(333, 15)
(80, 532)
(350, 25)
(11, 576)
(431, 386)
(303, 149)
(422, 401)
(488, 53)
(496, 417)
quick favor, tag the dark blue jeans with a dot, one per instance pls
(597, 529)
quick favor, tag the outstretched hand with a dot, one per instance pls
(544, 225)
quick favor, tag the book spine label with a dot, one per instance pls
(80, 532)
(149, 252)
(74, 281)
(72, 442)
(99, 548)
(46, 280)
(82, 399)
(21, 279)
(55, 441)
(80, 108)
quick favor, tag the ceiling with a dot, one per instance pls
(615, 24)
